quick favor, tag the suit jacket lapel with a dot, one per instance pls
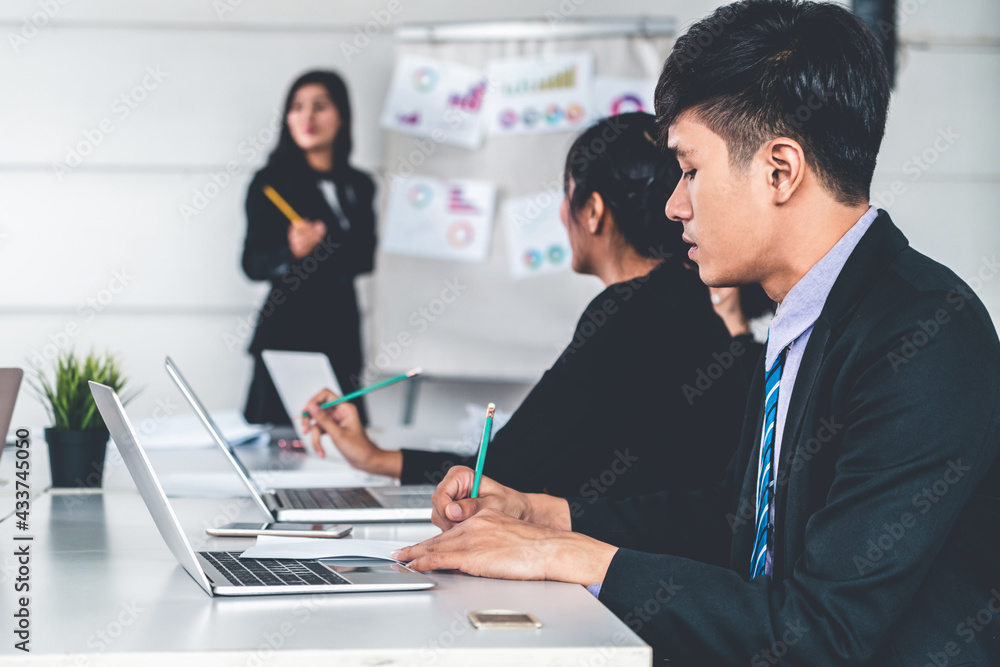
(805, 381)
(877, 247)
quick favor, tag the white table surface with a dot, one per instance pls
(105, 590)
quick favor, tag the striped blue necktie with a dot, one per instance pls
(765, 478)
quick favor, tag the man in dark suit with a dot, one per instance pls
(858, 521)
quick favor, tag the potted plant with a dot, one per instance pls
(78, 438)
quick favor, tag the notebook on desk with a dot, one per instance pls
(10, 382)
(224, 572)
(334, 505)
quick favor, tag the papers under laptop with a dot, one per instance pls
(333, 505)
(225, 572)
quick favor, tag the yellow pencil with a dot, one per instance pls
(282, 205)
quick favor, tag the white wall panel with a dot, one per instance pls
(944, 94)
(64, 241)
(338, 12)
(197, 343)
(936, 19)
(216, 96)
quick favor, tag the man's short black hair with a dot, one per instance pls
(760, 69)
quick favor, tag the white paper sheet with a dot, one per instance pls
(434, 98)
(536, 239)
(269, 546)
(439, 219)
(614, 95)
(186, 431)
(552, 93)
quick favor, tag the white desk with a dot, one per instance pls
(106, 591)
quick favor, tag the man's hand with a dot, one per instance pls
(452, 503)
(343, 424)
(304, 237)
(493, 544)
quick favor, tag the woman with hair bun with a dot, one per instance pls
(648, 394)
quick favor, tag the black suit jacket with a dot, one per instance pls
(887, 499)
(312, 305)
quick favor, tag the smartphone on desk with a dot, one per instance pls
(281, 529)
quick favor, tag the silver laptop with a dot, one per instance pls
(224, 572)
(10, 382)
(341, 505)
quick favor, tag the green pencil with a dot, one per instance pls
(414, 372)
(487, 432)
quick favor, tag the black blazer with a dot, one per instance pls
(887, 500)
(310, 296)
(312, 305)
(621, 412)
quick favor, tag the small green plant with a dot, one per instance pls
(67, 398)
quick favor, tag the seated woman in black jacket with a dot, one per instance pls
(648, 353)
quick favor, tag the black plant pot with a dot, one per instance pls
(76, 458)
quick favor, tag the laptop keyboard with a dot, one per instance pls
(347, 498)
(270, 571)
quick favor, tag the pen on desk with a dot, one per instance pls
(282, 205)
(487, 432)
(414, 372)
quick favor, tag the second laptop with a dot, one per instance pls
(340, 505)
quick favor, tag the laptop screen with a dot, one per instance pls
(10, 382)
(216, 433)
(145, 480)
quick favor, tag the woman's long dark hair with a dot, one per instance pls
(287, 155)
(618, 158)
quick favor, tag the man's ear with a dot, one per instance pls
(786, 163)
(593, 213)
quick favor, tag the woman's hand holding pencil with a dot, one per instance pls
(303, 235)
(343, 424)
(303, 238)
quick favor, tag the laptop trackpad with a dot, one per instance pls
(366, 570)
(402, 497)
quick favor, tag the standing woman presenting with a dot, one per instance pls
(311, 264)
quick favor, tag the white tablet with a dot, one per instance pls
(298, 376)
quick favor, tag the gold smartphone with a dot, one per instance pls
(503, 618)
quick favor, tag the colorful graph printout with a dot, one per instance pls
(439, 219)
(436, 99)
(536, 239)
(614, 95)
(540, 93)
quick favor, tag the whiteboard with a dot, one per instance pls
(474, 320)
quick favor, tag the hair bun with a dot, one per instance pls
(618, 158)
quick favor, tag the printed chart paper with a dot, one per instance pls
(614, 95)
(440, 219)
(536, 239)
(436, 99)
(540, 94)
